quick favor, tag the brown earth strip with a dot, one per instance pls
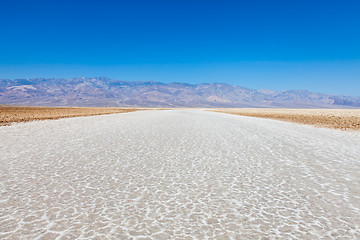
(13, 114)
(344, 119)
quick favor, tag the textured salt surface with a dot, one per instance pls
(183, 174)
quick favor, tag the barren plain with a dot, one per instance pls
(178, 174)
(345, 119)
(11, 114)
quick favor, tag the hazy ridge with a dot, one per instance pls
(108, 92)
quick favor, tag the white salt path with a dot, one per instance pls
(184, 174)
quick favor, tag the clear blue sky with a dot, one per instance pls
(290, 44)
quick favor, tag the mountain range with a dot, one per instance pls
(106, 92)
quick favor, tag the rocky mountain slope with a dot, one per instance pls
(109, 92)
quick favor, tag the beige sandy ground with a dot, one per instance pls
(12, 114)
(344, 119)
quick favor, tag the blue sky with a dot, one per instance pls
(312, 45)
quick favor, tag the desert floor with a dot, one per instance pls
(344, 119)
(178, 174)
(12, 114)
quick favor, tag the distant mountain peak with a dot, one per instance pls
(102, 91)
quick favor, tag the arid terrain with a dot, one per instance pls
(12, 114)
(178, 174)
(345, 119)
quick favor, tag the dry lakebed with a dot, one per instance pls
(178, 174)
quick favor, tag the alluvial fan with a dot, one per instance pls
(178, 174)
